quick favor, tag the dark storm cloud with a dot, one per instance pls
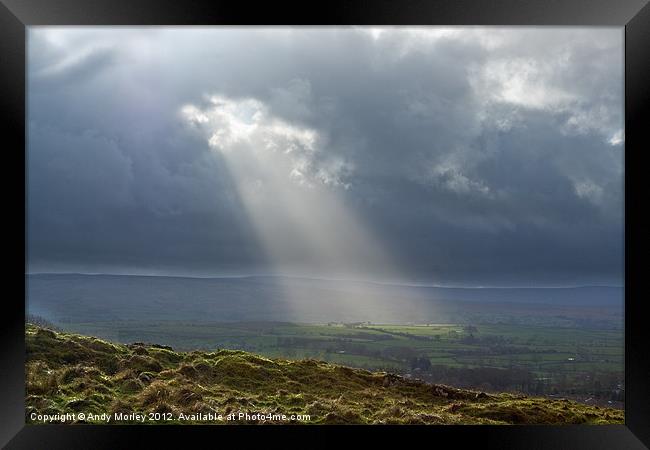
(477, 156)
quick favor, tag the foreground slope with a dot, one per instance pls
(71, 373)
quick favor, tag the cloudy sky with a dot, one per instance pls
(462, 156)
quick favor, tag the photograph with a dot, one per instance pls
(324, 225)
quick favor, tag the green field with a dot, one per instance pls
(540, 360)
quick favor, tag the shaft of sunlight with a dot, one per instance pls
(293, 192)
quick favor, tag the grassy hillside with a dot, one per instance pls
(583, 363)
(69, 373)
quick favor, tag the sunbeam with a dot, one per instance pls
(293, 193)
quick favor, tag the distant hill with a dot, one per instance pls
(75, 298)
(69, 373)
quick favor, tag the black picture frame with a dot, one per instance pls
(634, 15)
